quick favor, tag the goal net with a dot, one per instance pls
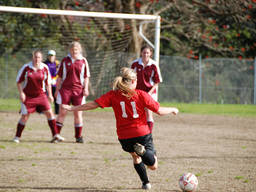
(105, 38)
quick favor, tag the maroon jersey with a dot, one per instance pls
(34, 80)
(73, 72)
(130, 113)
(147, 76)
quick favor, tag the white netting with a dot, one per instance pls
(105, 42)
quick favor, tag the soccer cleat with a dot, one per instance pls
(60, 138)
(16, 139)
(57, 138)
(80, 140)
(139, 149)
(146, 186)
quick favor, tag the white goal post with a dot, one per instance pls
(152, 18)
(90, 32)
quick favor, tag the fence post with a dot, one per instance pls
(200, 78)
(254, 100)
(6, 73)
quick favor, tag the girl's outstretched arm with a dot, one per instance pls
(167, 110)
(84, 107)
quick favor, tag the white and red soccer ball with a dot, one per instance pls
(188, 182)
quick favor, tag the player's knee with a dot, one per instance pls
(154, 167)
(136, 159)
(149, 159)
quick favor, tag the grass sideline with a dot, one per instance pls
(13, 105)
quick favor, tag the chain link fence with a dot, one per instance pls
(212, 80)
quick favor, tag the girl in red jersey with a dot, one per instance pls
(148, 75)
(133, 132)
(72, 86)
(32, 81)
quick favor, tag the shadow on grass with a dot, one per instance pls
(84, 189)
(66, 141)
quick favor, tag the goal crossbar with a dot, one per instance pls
(77, 13)
(153, 18)
(142, 17)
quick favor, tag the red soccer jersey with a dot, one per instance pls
(130, 113)
(147, 76)
(73, 72)
(34, 80)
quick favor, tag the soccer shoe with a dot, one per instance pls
(57, 138)
(139, 149)
(16, 139)
(146, 186)
(60, 138)
(80, 140)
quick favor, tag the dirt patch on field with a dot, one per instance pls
(220, 150)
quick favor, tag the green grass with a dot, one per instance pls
(13, 105)
(9, 104)
(215, 109)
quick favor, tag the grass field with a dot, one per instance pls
(215, 142)
(12, 105)
(220, 150)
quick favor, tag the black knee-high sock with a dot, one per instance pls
(148, 158)
(142, 172)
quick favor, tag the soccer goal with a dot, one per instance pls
(105, 38)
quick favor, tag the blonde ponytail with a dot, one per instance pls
(123, 82)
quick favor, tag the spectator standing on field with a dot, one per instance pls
(132, 130)
(53, 65)
(33, 80)
(148, 77)
(72, 87)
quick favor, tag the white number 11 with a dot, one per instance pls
(124, 114)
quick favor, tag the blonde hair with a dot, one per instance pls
(123, 82)
(76, 44)
(37, 51)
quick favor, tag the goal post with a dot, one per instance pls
(101, 64)
(153, 18)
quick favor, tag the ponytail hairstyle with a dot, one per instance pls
(123, 82)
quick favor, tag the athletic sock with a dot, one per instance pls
(150, 125)
(59, 126)
(78, 131)
(148, 158)
(142, 172)
(52, 125)
(20, 128)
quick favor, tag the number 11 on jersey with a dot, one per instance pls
(124, 114)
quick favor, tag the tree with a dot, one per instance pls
(212, 28)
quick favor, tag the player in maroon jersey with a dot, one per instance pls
(133, 132)
(148, 75)
(72, 86)
(33, 80)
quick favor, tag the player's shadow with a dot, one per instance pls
(26, 141)
(84, 189)
(66, 141)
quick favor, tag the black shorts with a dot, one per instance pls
(146, 140)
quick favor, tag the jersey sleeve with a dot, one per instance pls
(21, 74)
(133, 65)
(48, 79)
(87, 70)
(105, 100)
(149, 102)
(156, 77)
(60, 69)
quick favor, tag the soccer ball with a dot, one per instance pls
(188, 182)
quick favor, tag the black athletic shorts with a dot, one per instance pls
(146, 140)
